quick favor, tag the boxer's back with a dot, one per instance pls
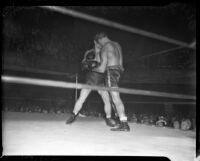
(114, 55)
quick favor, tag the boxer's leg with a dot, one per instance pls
(112, 80)
(107, 108)
(119, 105)
(78, 105)
(106, 100)
(121, 111)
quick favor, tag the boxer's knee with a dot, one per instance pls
(83, 95)
(105, 96)
(116, 98)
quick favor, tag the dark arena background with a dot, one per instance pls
(49, 42)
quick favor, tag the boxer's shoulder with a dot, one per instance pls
(111, 46)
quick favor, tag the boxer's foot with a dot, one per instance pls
(117, 121)
(110, 122)
(122, 127)
(71, 118)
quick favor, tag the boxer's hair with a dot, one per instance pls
(99, 36)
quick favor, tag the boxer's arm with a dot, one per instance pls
(86, 53)
(121, 58)
(103, 59)
(84, 63)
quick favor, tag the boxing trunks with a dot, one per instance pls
(113, 74)
(92, 77)
(95, 78)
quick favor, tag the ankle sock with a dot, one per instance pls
(123, 119)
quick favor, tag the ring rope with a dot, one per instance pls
(93, 101)
(53, 83)
(161, 52)
(117, 25)
(76, 93)
(38, 71)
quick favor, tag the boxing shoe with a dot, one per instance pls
(122, 127)
(117, 120)
(71, 118)
(110, 122)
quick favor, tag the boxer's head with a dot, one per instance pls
(100, 38)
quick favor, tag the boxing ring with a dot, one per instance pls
(47, 134)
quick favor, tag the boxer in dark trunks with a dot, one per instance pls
(111, 63)
(91, 61)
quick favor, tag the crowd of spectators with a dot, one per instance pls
(176, 121)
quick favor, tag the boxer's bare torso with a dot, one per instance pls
(114, 54)
(111, 55)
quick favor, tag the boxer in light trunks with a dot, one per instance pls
(111, 63)
(91, 60)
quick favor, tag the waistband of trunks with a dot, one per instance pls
(96, 72)
(115, 67)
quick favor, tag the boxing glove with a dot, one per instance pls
(84, 66)
(89, 65)
(90, 56)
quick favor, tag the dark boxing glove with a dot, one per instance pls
(90, 56)
(84, 66)
(89, 65)
(93, 64)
